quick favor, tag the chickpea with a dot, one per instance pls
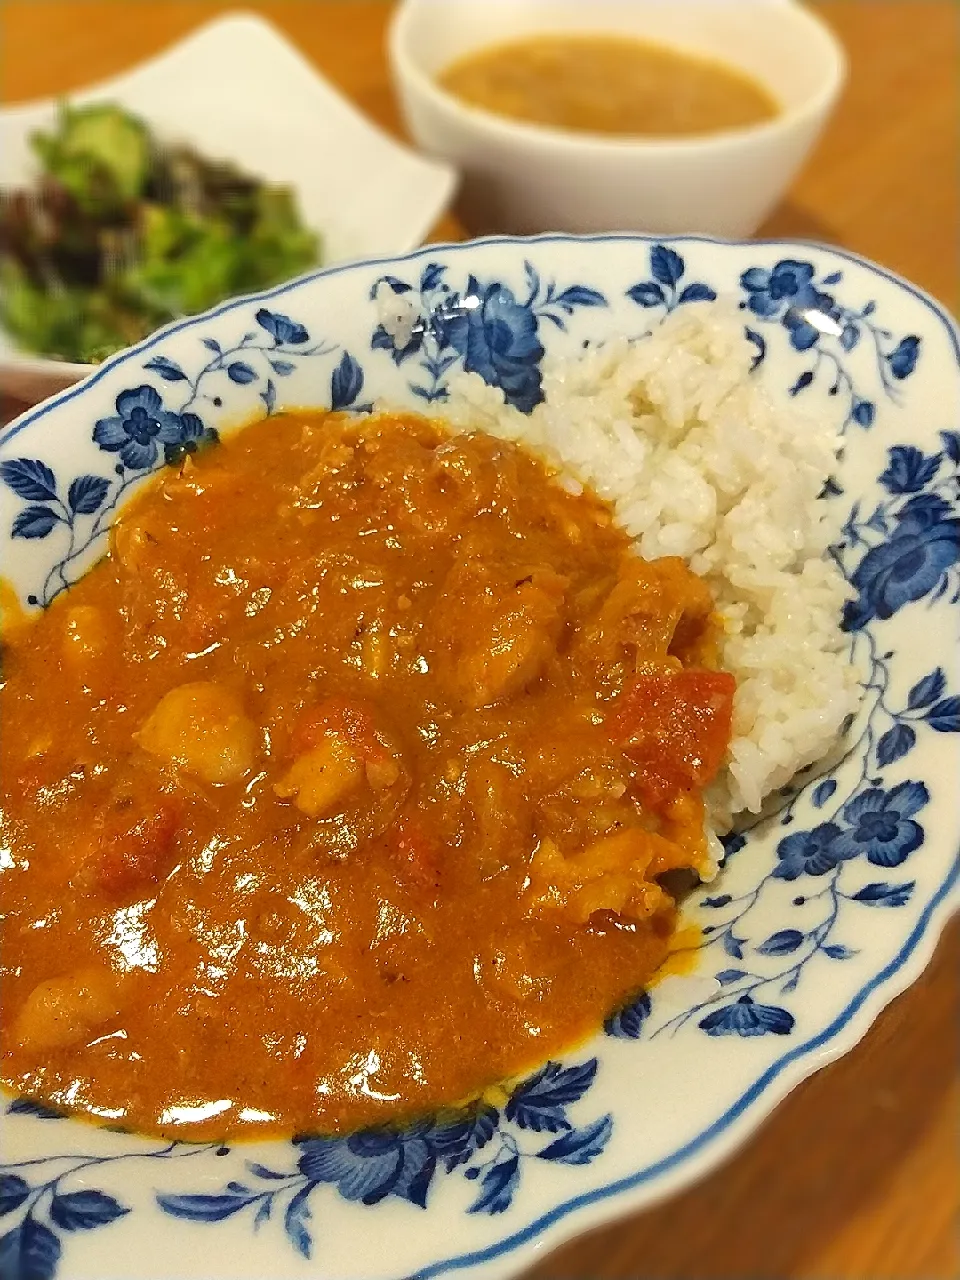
(320, 778)
(338, 745)
(202, 728)
(63, 1011)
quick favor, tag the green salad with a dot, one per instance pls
(122, 233)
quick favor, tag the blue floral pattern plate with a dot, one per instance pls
(826, 908)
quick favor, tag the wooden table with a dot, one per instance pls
(856, 1175)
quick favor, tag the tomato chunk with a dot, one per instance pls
(417, 854)
(344, 719)
(130, 854)
(677, 723)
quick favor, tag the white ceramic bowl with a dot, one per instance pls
(802, 945)
(525, 178)
(237, 89)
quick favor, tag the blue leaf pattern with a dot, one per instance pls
(578, 295)
(927, 690)
(295, 1221)
(34, 522)
(836, 951)
(781, 943)
(239, 371)
(647, 294)
(627, 1023)
(83, 1210)
(281, 328)
(498, 1185)
(666, 265)
(697, 292)
(878, 894)
(908, 469)
(579, 1146)
(30, 479)
(87, 494)
(540, 1101)
(733, 946)
(747, 1019)
(667, 268)
(945, 716)
(168, 370)
(726, 976)
(896, 742)
(823, 791)
(951, 445)
(13, 1192)
(30, 1251)
(203, 1208)
(346, 382)
(31, 1107)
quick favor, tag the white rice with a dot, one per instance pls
(675, 432)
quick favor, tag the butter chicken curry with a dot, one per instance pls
(342, 788)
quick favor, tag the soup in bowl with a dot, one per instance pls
(532, 168)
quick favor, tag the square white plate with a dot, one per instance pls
(237, 90)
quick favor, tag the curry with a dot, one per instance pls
(609, 85)
(345, 785)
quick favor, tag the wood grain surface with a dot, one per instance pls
(856, 1176)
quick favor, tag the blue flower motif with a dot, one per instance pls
(497, 337)
(141, 426)
(911, 563)
(811, 853)
(193, 436)
(281, 328)
(803, 335)
(789, 283)
(902, 360)
(881, 824)
(375, 1163)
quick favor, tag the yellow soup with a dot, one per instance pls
(608, 84)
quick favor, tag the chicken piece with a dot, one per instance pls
(500, 631)
(320, 778)
(60, 1012)
(203, 729)
(615, 873)
(656, 611)
(339, 745)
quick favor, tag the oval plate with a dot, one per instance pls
(825, 910)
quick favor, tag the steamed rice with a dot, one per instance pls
(675, 432)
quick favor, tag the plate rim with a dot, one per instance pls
(715, 1143)
(34, 412)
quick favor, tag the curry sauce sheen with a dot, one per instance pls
(342, 788)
